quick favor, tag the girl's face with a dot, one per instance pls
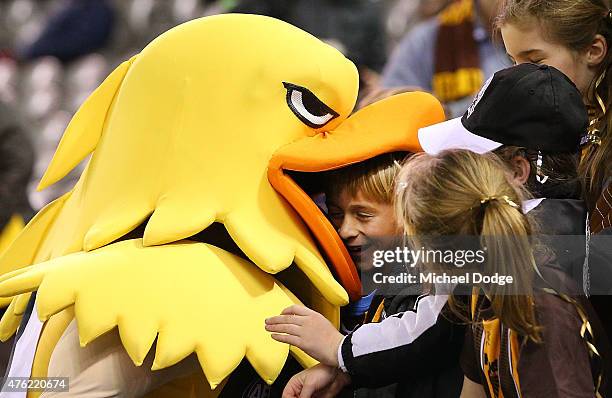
(362, 224)
(528, 44)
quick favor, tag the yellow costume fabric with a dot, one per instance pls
(195, 131)
(10, 232)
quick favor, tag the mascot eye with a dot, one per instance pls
(307, 107)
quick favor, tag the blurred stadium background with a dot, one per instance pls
(54, 53)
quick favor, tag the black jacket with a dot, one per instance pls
(420, 354)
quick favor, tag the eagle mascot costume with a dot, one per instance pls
(189, 225)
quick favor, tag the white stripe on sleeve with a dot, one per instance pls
(397, 331)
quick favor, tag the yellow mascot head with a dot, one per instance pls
(201, 129)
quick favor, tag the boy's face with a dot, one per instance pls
(362, 224)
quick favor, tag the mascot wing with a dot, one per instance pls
(185, 293)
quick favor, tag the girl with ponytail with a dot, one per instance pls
(521, 342)
(574, 36)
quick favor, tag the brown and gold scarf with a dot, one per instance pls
(457, 72)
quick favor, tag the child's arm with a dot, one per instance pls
(377, 354)
(415, 342)
(320, 380)
(309, 331)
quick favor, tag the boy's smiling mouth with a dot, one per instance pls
(356, 251)
(357, 248)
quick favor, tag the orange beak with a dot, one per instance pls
(390, 125)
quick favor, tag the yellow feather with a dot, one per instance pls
(85, 128)
(217, 311)
(9, 323)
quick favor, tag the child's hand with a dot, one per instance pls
(307, 330)
(320, 381)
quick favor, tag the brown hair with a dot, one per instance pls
(574, 24)
(374, 178)
(459, 192)
(560, 168)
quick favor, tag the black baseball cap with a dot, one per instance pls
(532, 106)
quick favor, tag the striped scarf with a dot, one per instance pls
(457, 72)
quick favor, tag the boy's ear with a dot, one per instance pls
(521, 169)
(597, 51)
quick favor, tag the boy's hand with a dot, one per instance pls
(320, 381)
(307, 330)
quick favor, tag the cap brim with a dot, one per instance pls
(453, 135)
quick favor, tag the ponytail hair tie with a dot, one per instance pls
(486, 200)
